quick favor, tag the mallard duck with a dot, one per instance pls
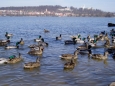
(21, 41)
(8, 35)
(38, 39)
(30, 65)
(81, 40)
(36, 51)
(11, 47)
(70, 64)
(99, 56)
(42, 43)
(84, 47)
(14, 59)
(3, 42)
(70, 41)
(3, 60)
(59, 38)
(69, 56)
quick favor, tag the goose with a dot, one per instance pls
(99, 56)
(69, 56)
(59, 38)
(30, 65)
(70, 64)
(46, 31)
(3, 60)
(36, 51)
(14, 59)
(21, 41)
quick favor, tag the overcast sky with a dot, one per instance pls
(104, 5)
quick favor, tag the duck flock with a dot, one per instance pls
(87, 45)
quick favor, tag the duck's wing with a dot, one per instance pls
(66, 55)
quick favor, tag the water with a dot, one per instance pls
(87, 72)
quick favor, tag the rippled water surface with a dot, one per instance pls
(87, 72)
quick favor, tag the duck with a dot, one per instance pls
(59, 38)
(69, 56)
(112, 84)
(33, 46)
(36, 50)
(38, 39)
(30, 65)
(107, 43)
(21, 41)
(3, 42)
(15, 59)
(85, 51)
(46, 31)
(12, 46)
(99, 56)
(3, 60)
(81, 40)
(69, 65)
(8, 35)
(84, 47)
(42, 43)
(70, 41)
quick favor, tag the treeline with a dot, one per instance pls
(59, 9)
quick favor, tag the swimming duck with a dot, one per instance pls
(21, 41)
(36, 51)
(70, 41)
(42, 43)
(99, 56)
(107, 43)
(3, 60)
(46, 31)
(3, 42)
(80, 40)
(8, 35)
(69, 56)
(33, 46)
(84, 47)
(30, 65)
(70, 64)
(58, 38)
(14, 59)
(38, 39)
(12, 47)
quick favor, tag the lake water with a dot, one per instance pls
(87, 72)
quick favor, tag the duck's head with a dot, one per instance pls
(42, 39)
(40, 36)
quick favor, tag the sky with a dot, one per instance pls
(104, 5)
